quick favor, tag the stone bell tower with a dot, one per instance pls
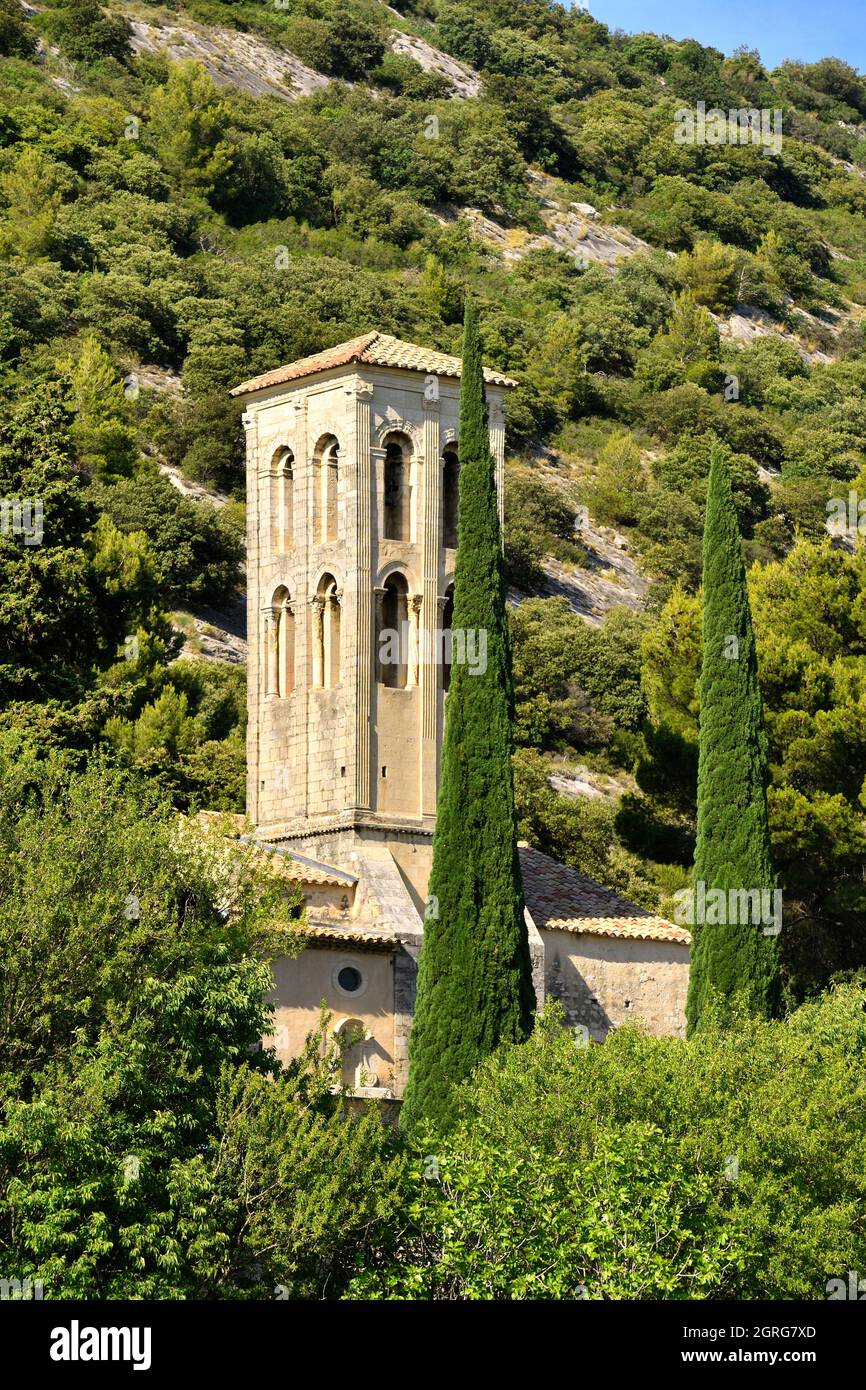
(352, 470)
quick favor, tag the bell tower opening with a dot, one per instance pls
(326, 459)
(393, 634)
(450, 496)
(398, 489)
(327, 634)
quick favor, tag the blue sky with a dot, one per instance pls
(806, 29)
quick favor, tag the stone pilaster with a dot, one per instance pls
(361, 395)
(430, 577)
(254, 562)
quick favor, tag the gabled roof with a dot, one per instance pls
(374, 349)
(561, 899)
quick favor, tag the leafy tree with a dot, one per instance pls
(187, 125)
(539, 522)
(692, 337)
(104, 440)
(32, 191)
(132, 1008)
(474, 978)
(709, 271)
(196, 551)
(72, 586)
(619, 481)
(16, 40)
(573, 681)
(629, 1222)
(733, 845)
(86, 33)
(731, 1160)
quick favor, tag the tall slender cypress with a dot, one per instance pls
(474, 978)
(733, 851)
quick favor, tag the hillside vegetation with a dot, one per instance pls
(169, 228)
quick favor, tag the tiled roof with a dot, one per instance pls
(561, 899)
(350, 936)
(297, 867)
(300, 869)
(375, 349)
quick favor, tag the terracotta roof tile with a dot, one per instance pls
(374, 349)
(349, 936)
(561, 899)
(301, 869)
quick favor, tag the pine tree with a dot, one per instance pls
(730, 951)
(474, 979)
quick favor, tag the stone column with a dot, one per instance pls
(317, 626)
(379, 596)
(412, 661)
(431, 561)
(287, 657)
(361, 396)
(270, 635)
(443, 650)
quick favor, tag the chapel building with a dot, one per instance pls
(352, 515)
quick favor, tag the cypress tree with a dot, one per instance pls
(474, 977)
(733, 841)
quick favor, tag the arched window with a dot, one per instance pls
(357, 1054)
(325, 475)
(392, 636)
(447, 624)
(283, 500)
(281, 644)
(450, 496)
(326, 634)
(398, 490)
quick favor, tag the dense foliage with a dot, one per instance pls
(724, 1167)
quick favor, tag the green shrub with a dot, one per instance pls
(198, 552)
(729, 1166)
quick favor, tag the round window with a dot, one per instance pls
(349, 979)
